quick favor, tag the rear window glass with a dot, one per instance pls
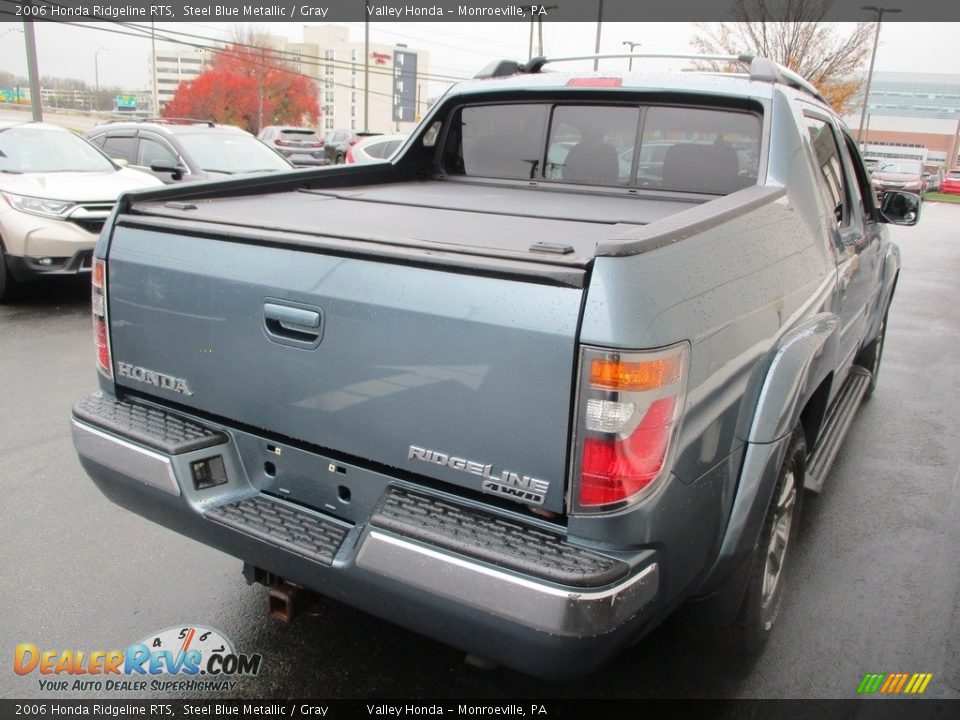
(685, 149)
(501, 141)
(302, 135)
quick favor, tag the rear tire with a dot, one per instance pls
(764, 594)
(340, 159)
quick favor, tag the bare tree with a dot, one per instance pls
(792, 33)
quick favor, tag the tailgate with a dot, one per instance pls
(460, 378)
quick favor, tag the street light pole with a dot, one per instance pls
(873, 56)
(632, 46)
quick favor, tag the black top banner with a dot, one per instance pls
(304, 11)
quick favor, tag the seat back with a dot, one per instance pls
(592, 162)
(713, 169)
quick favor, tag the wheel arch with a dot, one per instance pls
(795, 391)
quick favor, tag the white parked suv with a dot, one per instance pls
(56, 191)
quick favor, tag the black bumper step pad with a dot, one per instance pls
(507, 543)
(283, 525)
(150, 426)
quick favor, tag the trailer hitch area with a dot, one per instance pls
(286, 600)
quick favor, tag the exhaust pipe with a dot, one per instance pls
(287, 600)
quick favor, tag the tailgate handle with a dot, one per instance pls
(298, 326)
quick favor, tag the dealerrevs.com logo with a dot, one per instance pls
(186, 658)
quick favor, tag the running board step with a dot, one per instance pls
(835, 426)
(284, 525)
(495, 539)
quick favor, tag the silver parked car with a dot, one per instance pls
(301, 146)
(56, 191)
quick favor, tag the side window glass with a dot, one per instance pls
(122, 148)
(500, 141)
(590, 144)
(862, 187)
(699, 150)
(152, 151)
(832, 183)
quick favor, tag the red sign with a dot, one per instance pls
(380, 58)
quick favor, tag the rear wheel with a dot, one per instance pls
(339, 160)
(761, 602)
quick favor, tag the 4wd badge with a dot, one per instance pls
(510, 484)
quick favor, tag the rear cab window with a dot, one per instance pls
(701, 150)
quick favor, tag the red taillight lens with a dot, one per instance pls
(283, 143)
(317, 144)
(99, 304)
(614, 470)
(349, 158)
(628, 415)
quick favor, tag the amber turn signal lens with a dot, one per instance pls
(637, 376)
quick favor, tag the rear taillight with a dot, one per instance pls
(317, 144)
(283, 143)
(628, 413)
(349, 158)
(101, 334)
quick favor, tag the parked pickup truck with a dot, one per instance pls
(510, 389)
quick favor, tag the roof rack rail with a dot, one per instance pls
(761, 69)
(162, 121)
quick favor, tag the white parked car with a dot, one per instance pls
(56, 191)
(377, 148)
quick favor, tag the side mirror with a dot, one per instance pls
(900, 208)
(176, 171)
(121, 162)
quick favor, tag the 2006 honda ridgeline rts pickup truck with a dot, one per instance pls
(565, 362)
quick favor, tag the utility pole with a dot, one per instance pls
(596, 61)
(36, 105)
(263, 63)
(545, 8)
(873, 56)
(954, 146)
(530, 46)
(153, 65)
(366, 74)
(96, 75)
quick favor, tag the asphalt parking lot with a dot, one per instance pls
(875, 586)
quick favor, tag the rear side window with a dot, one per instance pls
(701, 150)
(501, 141)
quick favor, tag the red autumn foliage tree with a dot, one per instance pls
(247, 87)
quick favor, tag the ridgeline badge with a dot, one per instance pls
(510, 484)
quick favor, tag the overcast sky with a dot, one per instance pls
(456, 49)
